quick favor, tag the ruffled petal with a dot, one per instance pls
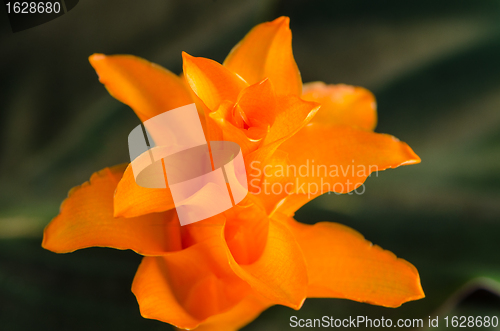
(280, 273)
(211, 82)
(342, 105)
(324, 157)
(146, 87)
(187, 287)
(342, 264)
(86, 220)
(132, 200)
(266, 51)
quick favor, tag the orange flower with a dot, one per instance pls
(220, 273)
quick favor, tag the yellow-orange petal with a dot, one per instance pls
(246, 231)
(334, 158)
(237, 317)
(146, 87)
(291, 115)
(132, 200)
(342, 264)
(211, 82)
(266, 51)
(86, 220)
(187, 287)
(342, 104)
(280, 274)
(211, 130)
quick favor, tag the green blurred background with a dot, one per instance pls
(434, 67)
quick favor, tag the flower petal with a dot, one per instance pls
(342, 264)
(154, 293)
(342, 104)
(292, 114)
(324, 157)
(237, 317)
(185, 288)
(132, 200)
(246, 231)
(280, 274)
(266, 51)
(211, 82)
(146, 87)
(86, 220)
